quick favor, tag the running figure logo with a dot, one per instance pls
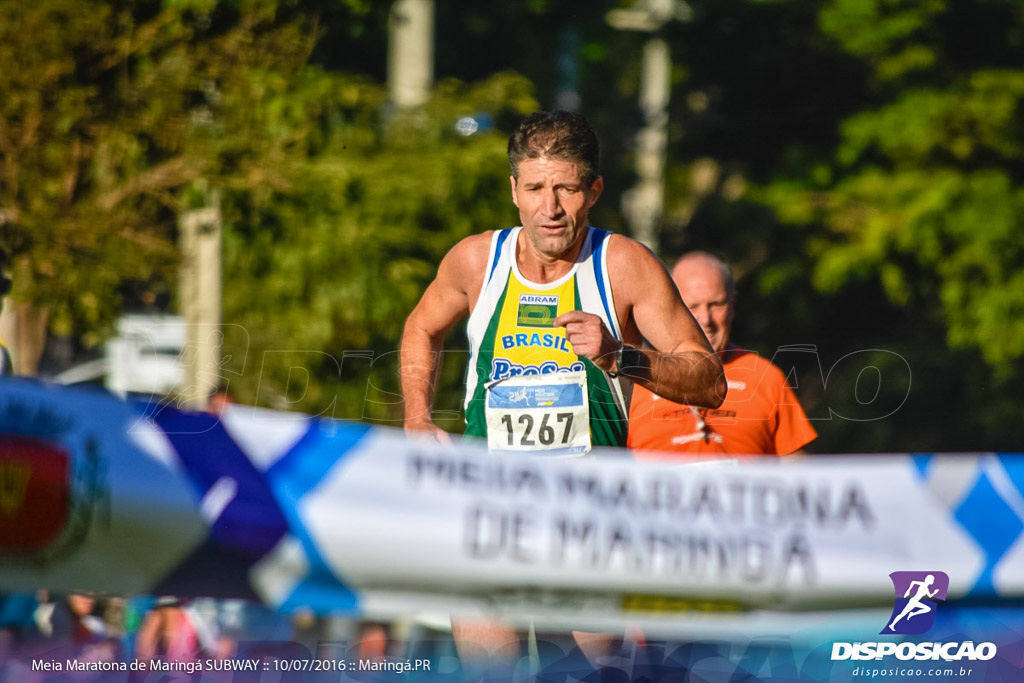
(914, 612)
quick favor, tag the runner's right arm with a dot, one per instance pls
(446, 301)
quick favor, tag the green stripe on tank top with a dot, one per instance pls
(607, 423)
(476, 420)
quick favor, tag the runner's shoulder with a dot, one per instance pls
(471, 251)
(631, 261)
(465, 263)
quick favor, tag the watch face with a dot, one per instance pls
(630, 359)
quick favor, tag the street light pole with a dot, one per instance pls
(200, 293)
(411, 52)
(644, 203)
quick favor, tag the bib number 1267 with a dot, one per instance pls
(547, 434)
(547, 413)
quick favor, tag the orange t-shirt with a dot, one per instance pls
(760, 416)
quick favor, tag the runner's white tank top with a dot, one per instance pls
(510, 331)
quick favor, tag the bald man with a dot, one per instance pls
(760, 415)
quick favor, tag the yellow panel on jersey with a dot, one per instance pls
(525, 335)
(511, 333)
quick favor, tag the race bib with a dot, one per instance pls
(548, 414)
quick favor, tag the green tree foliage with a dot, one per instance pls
(858, 162)
(110, 110)
(924, 187)
(921, 197)
(323, 272)
(337, 209)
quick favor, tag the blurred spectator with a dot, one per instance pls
(219, 400)
(77, 619)
(17, 620)
(6, 363)
(760, 415)
(171, 632)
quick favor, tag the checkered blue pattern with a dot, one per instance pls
(984, 494)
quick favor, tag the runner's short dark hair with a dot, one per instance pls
(562, 135)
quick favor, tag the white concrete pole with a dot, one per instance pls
(411, 52)
(200, 293)
(646, 201)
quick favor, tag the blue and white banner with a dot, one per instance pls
(337, 517)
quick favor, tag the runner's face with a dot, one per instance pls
(553, 205)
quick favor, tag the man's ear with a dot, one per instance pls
(512, 181)
(596, 188)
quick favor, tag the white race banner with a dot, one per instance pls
(339, 517)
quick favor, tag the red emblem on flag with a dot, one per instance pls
(35, 493)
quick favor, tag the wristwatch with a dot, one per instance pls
(628, 359)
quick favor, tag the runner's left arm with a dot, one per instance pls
(681, 365)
